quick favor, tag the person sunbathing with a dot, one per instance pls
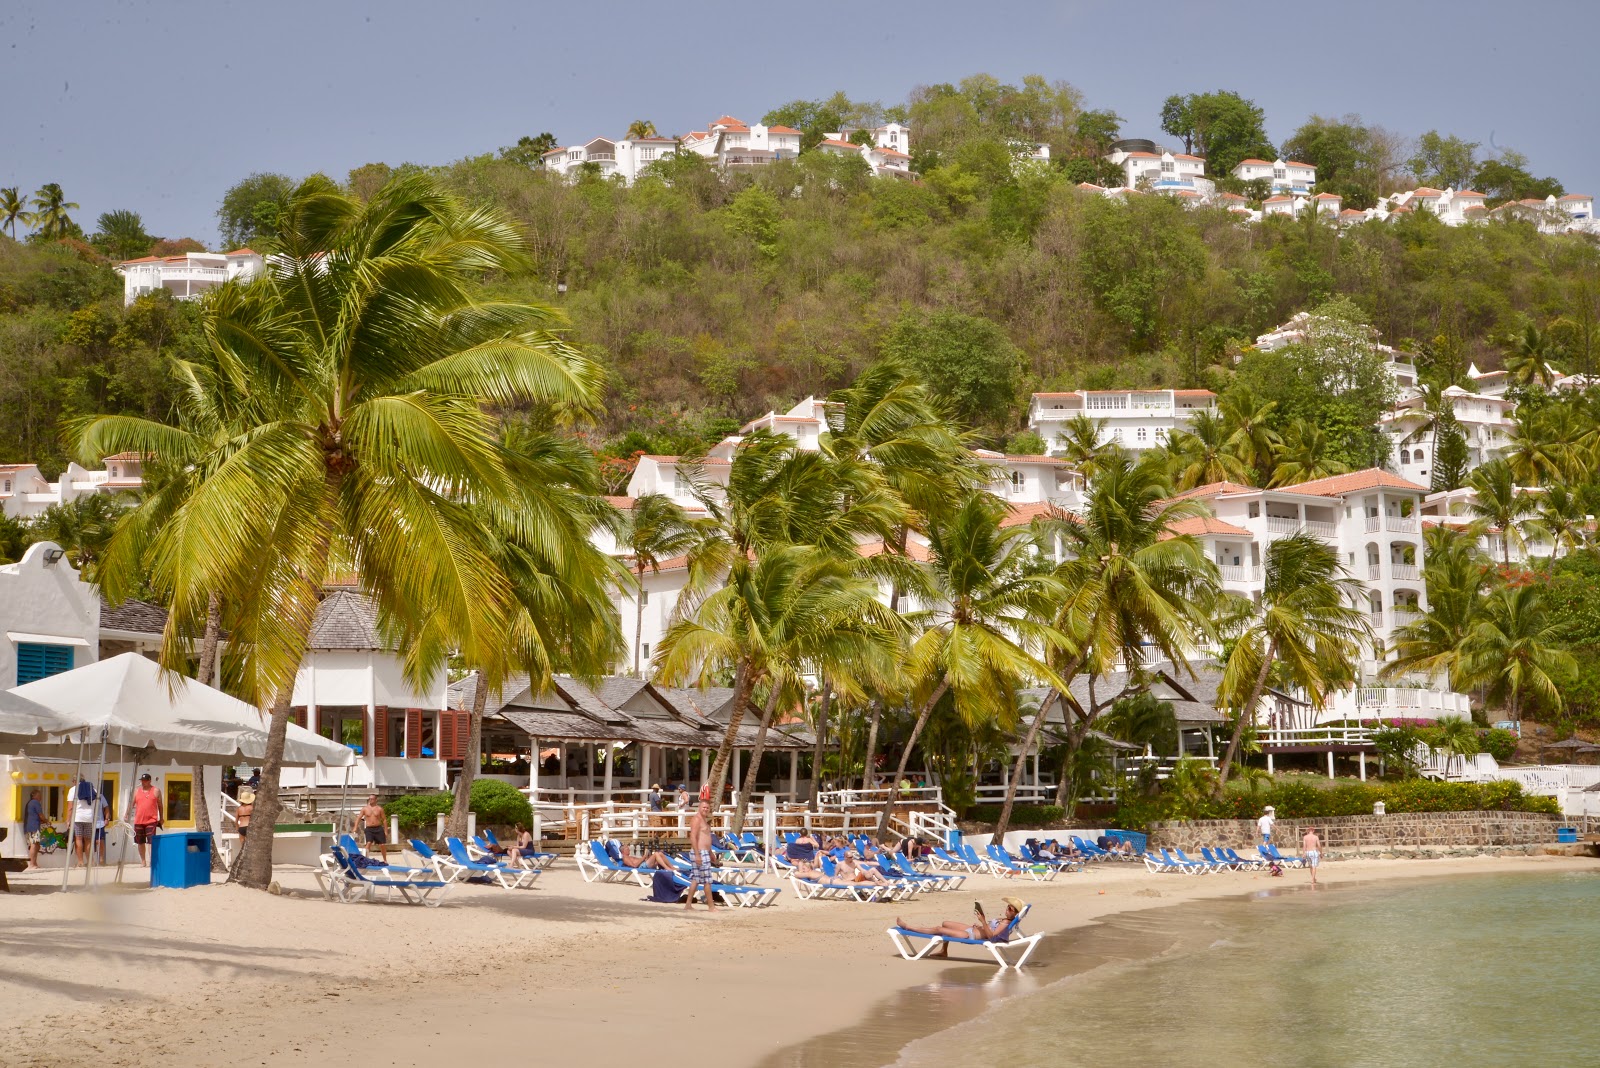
(802, 853)
(848, 871)
(986, 929)
(657, 860)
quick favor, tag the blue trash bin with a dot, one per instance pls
(1566, 834)
(180, 859)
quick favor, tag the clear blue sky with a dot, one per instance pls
(160, 106)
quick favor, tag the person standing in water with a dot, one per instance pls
(1311, 849)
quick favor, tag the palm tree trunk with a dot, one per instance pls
(1021, 765)
(1248, 710)
(638, 621)
(743, 683)
(872, 743)
(205, 673)
(749, 785)
(816, 756)
(456, 825)
(253, 866)
(905, 756)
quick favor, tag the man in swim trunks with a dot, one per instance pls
(371, 817)
(701, 873)
(1311, 849)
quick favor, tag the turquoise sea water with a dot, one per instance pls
(1500, 970)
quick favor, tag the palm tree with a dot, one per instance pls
(1431, 644)
(981, 632)
(1202, 454)
(50, 211)
(1528, 356)
(13, 209)
(1133, 586)
(1543, 445)
(1559, 516)
(121, 234)
(1305, 456)
(380, 359)
(1457, 739)
(1247, 420)
(1517, 651)
(1499, 502)
(640, 128)
(654, 529)
(84, 528)
(1082, 442)
(1306, 626)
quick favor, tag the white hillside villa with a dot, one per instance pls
(188, 276)
(25, 493)
(732, 143)
(1485, 421)
(1282, 176)
(1133, 418)
(1402, 366)
(883, 162)
(624, 158)
(1146, 165)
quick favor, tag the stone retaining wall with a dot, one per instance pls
(1354, 834)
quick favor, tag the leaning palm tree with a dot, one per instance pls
(1499, 502)
(13, 209)
(1431, 644)
(654, 529)
(370, 335)
(1306, 627)
(1518, 652)
(981, 632)
(1559, 518)
(1528, 356)
(1202, 454)
(50, 207)
(1306, 455)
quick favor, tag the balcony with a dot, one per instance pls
(194, 274)
(1374, 523)
(1234, 572)
(1405, 572)
(1374, 572)
(1403, 524)
(1280, 524)
(1320, 529)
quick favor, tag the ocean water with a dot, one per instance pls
(1499, 970)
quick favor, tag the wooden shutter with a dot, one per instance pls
(298, 715)
(413, 733)
(446, 736)
(380, 731)
(366, 733)
(462, 729)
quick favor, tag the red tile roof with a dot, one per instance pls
(1352, 211)
(1022, 458)
(1424, 191)
(1091, 185)
(1371, 478)
(782, 130)
(1469, 193)
(141, 259)
(727, 120)
(1185, 155)
(1304, 166)
(1144, 155)
(1214, 489)
(834, 143)
(1328, 196)
(1255, 162)
(1277, 200)
(1193, 393)
(1577, 196)
(1204, 524)
(244, 252)
(1231, 196)
(1022, 514)
(892, 152)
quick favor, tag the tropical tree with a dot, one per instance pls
(84, 527)
(50, 207)
(1202, 454)
(1248, 420)
(981, 632)
(1306, 454)
(1305, 627)
(1457, 739)
(1528, 356)
(13, 209)
(121, 234)
(654, 528)
(1559, 516)
(1517, 651)
(1500, 503)
(1542, 446)
(1082, 442)
(381, 361)
(1431, 644)
(640, 128)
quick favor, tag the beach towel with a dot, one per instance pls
(85, 791)
(614, 852)
(664, 888)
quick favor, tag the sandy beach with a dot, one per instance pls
(569, 973)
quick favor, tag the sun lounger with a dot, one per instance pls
(1009, 939)
(1089, 850)
(746, 897)
(509, 877)
(942, 858)
(535, 859)
(1249, 863)
(1033, 856)
(1003, 863)
(1218, 860)
(1156, 864)
(1287, 861)
(596, 864)
(827, 889)
(1185, 867)
(355, 882)
(939, 880)
(1204, 867)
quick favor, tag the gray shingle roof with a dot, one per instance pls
(135, 617)
(347, 620)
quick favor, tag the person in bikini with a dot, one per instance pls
(984, 928)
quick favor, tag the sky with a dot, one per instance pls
(160, 106)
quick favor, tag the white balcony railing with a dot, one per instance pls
(194, 274)
(1233, 572)
(1374, 523)
(1405, 572)
(1279, 524)
(1321, 529)
(1374, 572)
(1405, 524)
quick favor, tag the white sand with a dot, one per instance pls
(569, 973)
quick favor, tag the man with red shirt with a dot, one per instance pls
(146, 815)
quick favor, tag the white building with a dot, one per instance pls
(25, 493)
(1402, 366)
(883, 162)
(626, 158)
(1133, 418)
(188, 276)
(1485, 421)
(1282, 176)
(734, 144)
(1159, 170)
(892, 135)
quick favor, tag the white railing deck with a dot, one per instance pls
(1334, 734)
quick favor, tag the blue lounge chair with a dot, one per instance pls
(1009, 938)
(534, 859)
(1002, 862)
(894, 864)
(509, 877)
(354, 882)
(1250, 863)
(1287, 861)
(747, 897)
(1033, 856)
(1186, 867)
(1218, 859)
(1205, 867)
(945, 859)
(597, 864)
(1089, 850)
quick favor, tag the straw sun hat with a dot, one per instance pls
(1014, 902)
(247, 796)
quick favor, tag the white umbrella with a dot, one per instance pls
(22, 721)
(127, 701)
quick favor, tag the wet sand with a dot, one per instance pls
(569, 973)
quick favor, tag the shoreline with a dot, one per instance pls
(569, 972)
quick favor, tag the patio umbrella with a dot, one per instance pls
(22, 721)
(128, 701)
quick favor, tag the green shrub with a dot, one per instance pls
(1498, 743)
(492, 801)
(419, 811)
(1021, 815)
(1298, 800)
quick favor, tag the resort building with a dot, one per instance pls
(1146, 165)
(1133, 418)
(1402, 366)
(732, 143)
(891, 135)
(188, 276)
(883, 162)
(1285, 177)
(626, 158)
(1485, 421)
(25, 493)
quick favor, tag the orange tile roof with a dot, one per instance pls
(1255, 163)
(1469, 193)
(124, 456)
(1277, 200)
(1091, 185)
(1022, 458)
(1577, 196)
(1231, 196)
(1214, 489)
(1328, 196)
(141, 259)
(1425, 191)
(892, 152)
(835, 143)
(244, 252)
(727, 120)
(1205, 524)
(1305, 166)
(1193, 393)
(1185, 155)
(1371, 478)
(1352, 211)
(915, 550)
(1143, 155)
(782, 130)
(1018, 515)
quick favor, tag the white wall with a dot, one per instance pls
(48, 601)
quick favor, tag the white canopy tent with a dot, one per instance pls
(23, 722)
(127, 701)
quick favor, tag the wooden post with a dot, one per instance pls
(794, 774)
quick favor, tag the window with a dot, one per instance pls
(1418, 456)
(8, 485)
(647, 154)
(180, 800)
(1255, 511)
(644, 598)
(1143, 433)
(1405, 456)
(1278, 172)
(1018, 481)
(38, 661)
(1161, 433)
(644, 650)
(1166, 166)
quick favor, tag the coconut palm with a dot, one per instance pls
(1431, 644)
(84, 527)
(640, 128)
(13, 209)
(1542, 445)
(50, 207)
(1500, 503)
(1457, 739)
(1559, 517)
(1248, 422)
(1517, 651)
(654, 529)
(380, 358)
(1133, 585)
(1305, 455)
(1201, 454)
(1305, 627)
(981, 632)
(1082, 441)
(121, 234)
(1528, 356)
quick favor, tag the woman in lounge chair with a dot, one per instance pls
(984, 928)
(848, 871)
(802, 853)
(525, 847)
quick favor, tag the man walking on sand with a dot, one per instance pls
(371, 819)
(700, 873)
(1264, 824)
(1311, 849)
(146, 815)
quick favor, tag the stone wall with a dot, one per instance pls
(1355, 834)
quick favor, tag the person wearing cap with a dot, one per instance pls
(985, 928)
(146, 815)
(1264, 824)
(655, 797)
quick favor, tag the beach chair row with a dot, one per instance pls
(1216, 859)
(735, 886)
